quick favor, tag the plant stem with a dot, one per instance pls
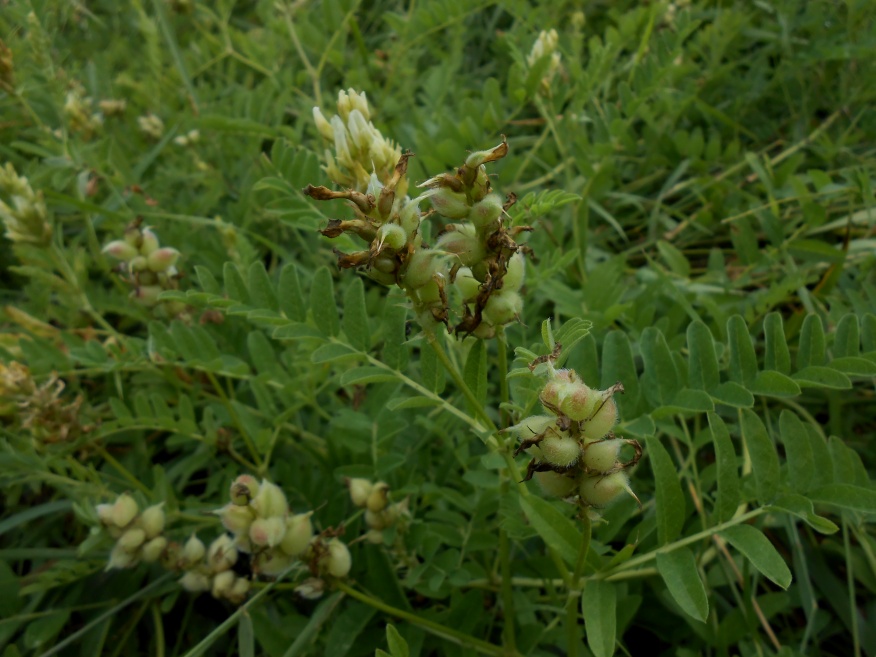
(432, 627)
(504, 394)
(236, 419)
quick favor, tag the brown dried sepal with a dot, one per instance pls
(364, 202)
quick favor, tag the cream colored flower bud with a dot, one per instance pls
(154, 549)
(121, 558)
(359, 489)
(193, 551)
(270, 501)
(311, 588)
(120, 250)
(131, 539)
(378, 498)
(342, 150)
(236, 519)
(359, 101)
(338, 560)
(299, 532)
(238, 591)
(361, 134)
(222, 583)
(222, 554)
(322, 125)
(195, 582)
(345, 105)
(152, 520)
(267, 532)
(124, 510)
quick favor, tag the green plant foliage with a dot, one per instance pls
(692, 186)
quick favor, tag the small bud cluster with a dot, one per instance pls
(575, 453)
(113, 106)
(138, 534)
(146, 265)
(151, 125)
(546, 45)
(477, 247)
(258, 516)
(210, 568)
(188, 139)
(79, 110)
(379, 513)
(26, 218)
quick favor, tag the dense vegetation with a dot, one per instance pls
(180, 349)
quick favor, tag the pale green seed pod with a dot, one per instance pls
(450, 204)
(392, 236)
(239, 590)
(299, 532)
(236, 519)
(532, 426)
(600, 490)
(267, 532)
(487, 211)
(195, 582)
(132, 539)
(560, 450)
(154, 549)
(601, 456)
(464, 243)
(193, 551)
(469, 287)
(121, 558)
(514, 274)
(152, 520)
(422, 265)
(147, 295)
(359, 489)
(272, 563)
(270, 501)
(378, 498)
(556, 484)
(338, 560)
(604, 416)
(503, 307)
(124, 510)
(430, 293)
(149, 244)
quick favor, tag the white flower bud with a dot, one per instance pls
(195, 582)
(360, 489)
(152, 520)
(193, 551)
(124, 510)
(153, 550)
(131, 539)
(299, 532)
(267, 532)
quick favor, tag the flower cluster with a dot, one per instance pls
(259, 518)
(379, 513)
(545, 46)
(79, 110)
(575, 453)
(477, 246)
(146, 265)
(138, 535)
(26, 218)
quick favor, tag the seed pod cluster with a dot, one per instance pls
(210, 568)
(476, 245)
(147, 266)
(380, 514)
(139, 535)
(262, 525)
(575, 453)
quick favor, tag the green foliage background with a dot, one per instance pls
(722, 249)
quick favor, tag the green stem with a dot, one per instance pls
(432, 627)
(504, 394)
(109, 458)
(236, 419)
(509, 639)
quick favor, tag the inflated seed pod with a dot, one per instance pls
(421, 266)
(299, 532)
(514, 274)
(450, 204)
(486, 212)
(502, 307)
(560, 449)
(599, 490)
(601, 455)
(603, 416)
(267, 532)
(556, 484)
(462, 242)
(467, 284)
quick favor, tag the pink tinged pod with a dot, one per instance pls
(121, 250)
(162, 259)
(560, 450)
(599, 490)
(338, 560)
(578, 401)
(195, 582)
(152, 520)
(267, 532)
(154, 549)
(556, 484)
(124, 510)
(603, 420)
(601, 456)
(486, 211)
(147, 295)
(299, 532)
